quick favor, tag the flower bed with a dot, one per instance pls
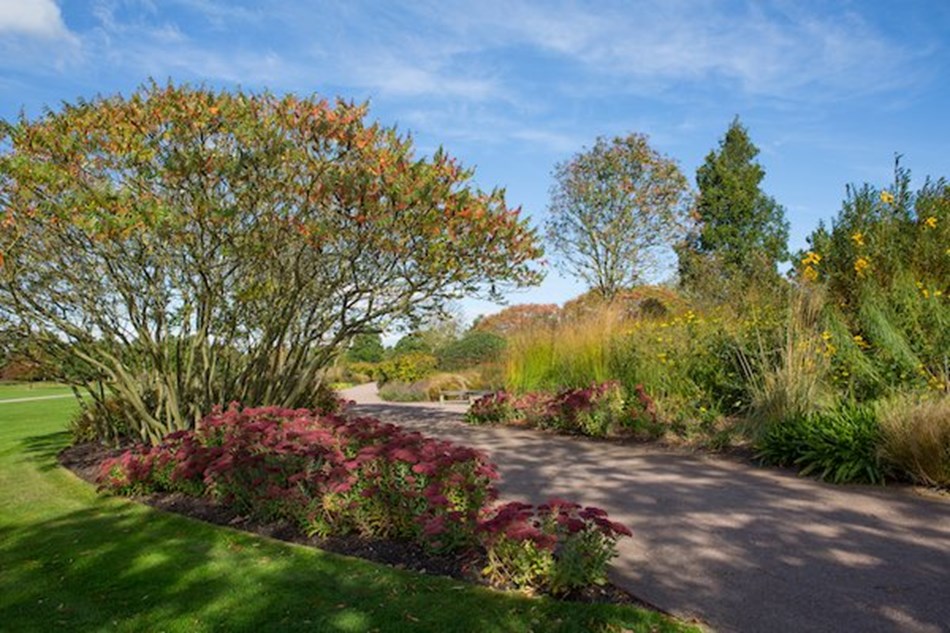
(332, 476)
(599, 410)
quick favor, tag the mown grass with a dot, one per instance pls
(74, 561)
(16, 390)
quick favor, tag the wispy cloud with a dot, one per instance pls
(145, 45)
(402, 77)
(765, 49)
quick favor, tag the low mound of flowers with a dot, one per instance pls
(332, 475)
(599, 410)
(555, 547)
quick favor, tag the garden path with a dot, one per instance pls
(32, 398)
(735, 546)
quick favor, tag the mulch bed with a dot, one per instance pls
(84, 459)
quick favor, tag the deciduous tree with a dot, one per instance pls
(613, 209)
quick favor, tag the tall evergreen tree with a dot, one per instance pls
(742, 232)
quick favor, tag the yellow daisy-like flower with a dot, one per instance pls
(810, 258)
(858, 238)
(861, 265)
(931, 222)
(887, 197)
(810, 274)
(860, 342)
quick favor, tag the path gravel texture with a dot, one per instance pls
(734, 546)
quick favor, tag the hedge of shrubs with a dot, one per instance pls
(333, 475)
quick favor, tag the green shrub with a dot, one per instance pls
(916, 438)
(840, 446)
(366, 348)
(475, 348)
(407, 368)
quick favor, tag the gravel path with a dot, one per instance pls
(737, 547)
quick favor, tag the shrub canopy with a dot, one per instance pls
(192, 247)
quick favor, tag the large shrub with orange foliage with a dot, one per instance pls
(192, 247)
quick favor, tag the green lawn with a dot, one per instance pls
(11, 391)
(71, 560)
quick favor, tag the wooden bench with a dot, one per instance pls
(462, 395)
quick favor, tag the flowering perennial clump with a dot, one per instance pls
(555, 547)
(333, 475)
(328, 474)
(598, 410)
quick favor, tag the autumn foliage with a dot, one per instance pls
(190, 247)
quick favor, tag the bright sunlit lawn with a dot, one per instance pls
(15, 391)
(71, 560)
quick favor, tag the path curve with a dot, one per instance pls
(738, 547)
(34, 398)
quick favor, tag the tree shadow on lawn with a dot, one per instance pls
(43, 449)
(117, 564)
(743, 547)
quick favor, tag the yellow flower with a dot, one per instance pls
(811, 258)
(858, 239)
(860, 342)
(810, 274)
(931, 222)
(861, 264)
(887, 197)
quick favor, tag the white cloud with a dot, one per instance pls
(34, 18)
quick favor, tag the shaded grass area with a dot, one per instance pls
(75, 561)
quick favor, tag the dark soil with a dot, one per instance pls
(84, 460)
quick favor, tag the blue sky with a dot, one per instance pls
(829, 90)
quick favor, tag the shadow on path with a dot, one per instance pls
(740, 547)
